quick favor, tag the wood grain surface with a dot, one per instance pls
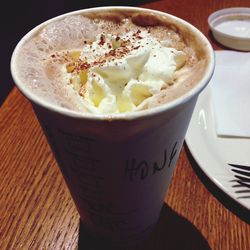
(37, 212)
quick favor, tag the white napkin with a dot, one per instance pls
(230, 86)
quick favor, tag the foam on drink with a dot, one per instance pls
(60, 62)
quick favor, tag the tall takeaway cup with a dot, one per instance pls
(118, 167)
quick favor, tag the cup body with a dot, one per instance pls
(118, 170)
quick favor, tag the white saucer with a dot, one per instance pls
(213, 153)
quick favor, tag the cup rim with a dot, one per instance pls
(195, 90)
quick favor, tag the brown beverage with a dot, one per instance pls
(56, 46)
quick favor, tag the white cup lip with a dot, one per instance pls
(120, 116)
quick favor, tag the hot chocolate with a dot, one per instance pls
(114, 62)
(114, 89)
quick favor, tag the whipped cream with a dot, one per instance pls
(117, 74)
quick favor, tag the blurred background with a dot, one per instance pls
(18, 17)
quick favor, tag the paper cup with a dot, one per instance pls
(118, 168)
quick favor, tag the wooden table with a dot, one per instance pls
(37, 212)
